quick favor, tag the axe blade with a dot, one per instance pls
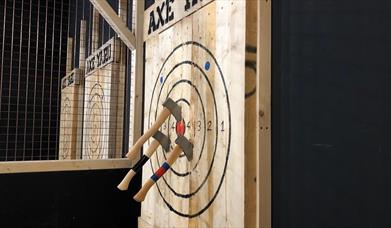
(186, 145)
(164, 141)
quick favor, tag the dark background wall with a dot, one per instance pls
(32, 62)
(68, 199)
(331, 113)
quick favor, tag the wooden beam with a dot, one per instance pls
(115, 22)
(63, 165)
(138, 74)
(69, 61)
(95, 30)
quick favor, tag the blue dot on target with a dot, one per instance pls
(161, 79)
(207, 65)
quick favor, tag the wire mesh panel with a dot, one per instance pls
(62, 93)
(101, 92)
(71, 100)
(32, 62)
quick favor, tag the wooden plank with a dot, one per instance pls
(143, 223)
(69, 61)
(63, 165)
(80, 90)
(232, 49)
(122, 12)
(83, 44)
(115, 22)
(69, 115)
(264, 107)
(200, 63)
(132, 81)
(251, 115)
(95, 29)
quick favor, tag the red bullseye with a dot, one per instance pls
(180, 128)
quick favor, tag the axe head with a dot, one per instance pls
(186, 145)
(164, 141)
(174, 108)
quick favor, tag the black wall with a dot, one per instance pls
(331, 113)
(67, 199)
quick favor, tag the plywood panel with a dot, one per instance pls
(199, 62)
(102, 85)
(70, 115)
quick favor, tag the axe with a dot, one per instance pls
(182, 144)
(170, 107)
(159, 139)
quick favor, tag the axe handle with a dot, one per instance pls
(124, 185)
(152, 148)
(125, 182)
(163, 115)
(140, 196)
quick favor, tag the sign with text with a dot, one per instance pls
(165, 13)
(106, 54)
(70, 79)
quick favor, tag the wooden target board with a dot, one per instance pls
(195, 55)
(101, 98)
(70, 104)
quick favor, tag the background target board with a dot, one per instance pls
(70, 102)
(200, 65)
(102, 103)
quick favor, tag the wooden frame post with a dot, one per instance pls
(264, 120)
(138, 72)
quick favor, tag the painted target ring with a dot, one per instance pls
(95, 122)
(196, 82)
(67, 128)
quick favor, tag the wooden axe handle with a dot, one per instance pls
(124, 185)
(140, 196)
(125, 182)
(163, 115)
(152, 148)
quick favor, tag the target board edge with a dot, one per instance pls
(69, 115)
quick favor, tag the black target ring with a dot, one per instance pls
(203, 209)
(181, 195)
(67, 137)
(95, 103)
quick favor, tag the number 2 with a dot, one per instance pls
(209, 125)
